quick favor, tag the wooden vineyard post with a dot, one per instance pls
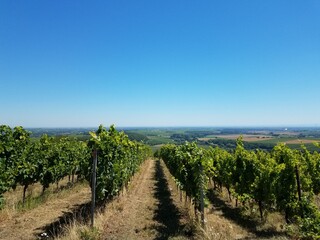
(299, 190)
(93, 187)
(202, 196)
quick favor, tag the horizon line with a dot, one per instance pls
(182, 126)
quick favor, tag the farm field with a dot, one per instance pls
(155, 137)
(255, 138)
(264, 138)
(246, 137)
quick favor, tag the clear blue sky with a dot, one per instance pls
(67, 63)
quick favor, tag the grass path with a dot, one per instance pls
(147, 211)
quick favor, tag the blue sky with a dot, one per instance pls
(159, 63)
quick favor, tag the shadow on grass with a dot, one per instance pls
(79, 213)
(167, 214)
(235, 215)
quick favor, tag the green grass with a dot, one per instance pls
(32, 202)
(156, 140)
(213, 136)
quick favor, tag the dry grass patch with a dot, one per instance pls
(246, 137)
(243, 221)
(27, 223)
(13, 198)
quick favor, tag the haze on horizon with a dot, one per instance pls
(167, 63)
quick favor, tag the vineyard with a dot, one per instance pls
(24, 162)
(283, 181)
(49, 160)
